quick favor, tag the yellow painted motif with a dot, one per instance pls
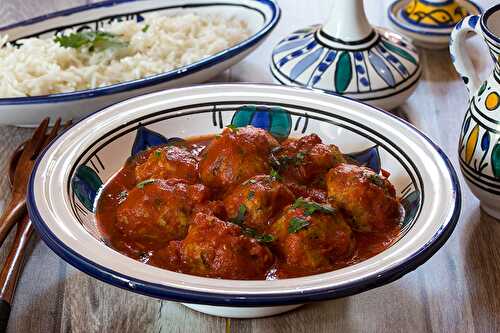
(492, 101)
(437, 15)
(471, 144)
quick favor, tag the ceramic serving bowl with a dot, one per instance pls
(70, 172)
(428, 23)
(261, 16)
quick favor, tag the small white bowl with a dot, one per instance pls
(68, 174)
(260, 15)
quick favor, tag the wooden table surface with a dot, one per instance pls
(457, 290)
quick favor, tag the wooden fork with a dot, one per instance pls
(17, 204)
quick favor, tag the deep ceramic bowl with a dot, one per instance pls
(260, 15)
(69, 173)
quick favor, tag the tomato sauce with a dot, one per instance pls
(187, 197)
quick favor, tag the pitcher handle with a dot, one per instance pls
(459, 56)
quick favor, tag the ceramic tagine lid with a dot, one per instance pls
(429, 22)
(348, 56)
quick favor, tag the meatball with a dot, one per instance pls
(310, 237)
(217, 249)
(235, 156)
(256, 200)
(367, 196)
(168, 162)
(306, 160)
(158, 211)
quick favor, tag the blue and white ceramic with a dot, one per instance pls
(479, 145)
(261, 16)
(429, 22)
(72, 169)
(347, 56)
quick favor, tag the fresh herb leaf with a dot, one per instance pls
(296, 224)
(144, 183)
(299, 158)
(265, 238)
(157, 153)
(146, 28)
(94, 40)
(233, 128)
(241, 215)
(275, 175)
(251, 195)
(376, 179)
(310, 207)
(122, 196)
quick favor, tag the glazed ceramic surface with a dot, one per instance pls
(479, 146)
(261, 16)
(429, 22)
(69, 174)
(348, 56)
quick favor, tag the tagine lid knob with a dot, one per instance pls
(348, 56)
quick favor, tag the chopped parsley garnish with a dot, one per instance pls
(240, 218)
(251, 195)
(144, 183)
(275, 175)
(146, 28)
(376, 179)
(297, 224)
(233, 128)
(310, 207)
(157, 153)
(265, 238)
(94, 40)
(250, 232)
(122, 196)
(299, 157)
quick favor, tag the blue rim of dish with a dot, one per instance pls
(248, 300)
(393, 19)
(176, 73)
(484, 22)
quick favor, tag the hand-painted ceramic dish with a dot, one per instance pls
(429, 22)
(261, 16)
(350, 57)
(68, 175)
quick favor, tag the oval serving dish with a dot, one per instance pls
(70, 172)
(260, 15)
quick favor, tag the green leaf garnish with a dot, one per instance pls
(94, 40)
(296, 224)
(157, 153)
(310, 207)
(275, 175)
(144, 183)
(122, 196)
(376, 179)
(233, 128)
(299, 158)
(146, 28)
(251, 195)
(265, 238)
(241, 215)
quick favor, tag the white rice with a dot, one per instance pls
(43, 67)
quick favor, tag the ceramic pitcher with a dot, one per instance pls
(479, 145)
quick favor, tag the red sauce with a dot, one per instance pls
(143, 229)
